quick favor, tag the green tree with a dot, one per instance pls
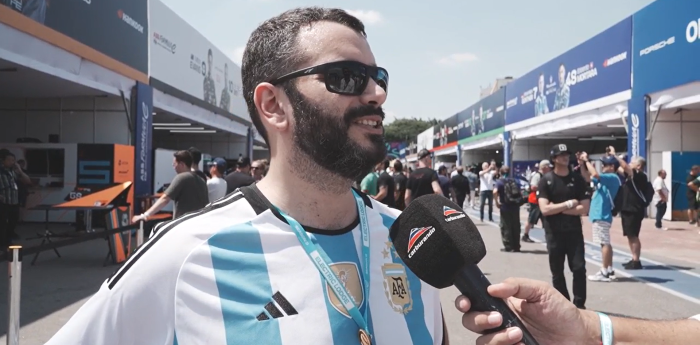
(406, 129)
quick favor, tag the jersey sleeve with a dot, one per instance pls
(126, 314)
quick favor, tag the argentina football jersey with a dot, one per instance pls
(235, 273)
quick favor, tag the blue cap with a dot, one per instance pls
(220, 164)
(609, 160)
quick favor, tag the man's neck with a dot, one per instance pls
(325, 203)
(561, 170)
(195, 168)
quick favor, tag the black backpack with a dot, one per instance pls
(512, 195)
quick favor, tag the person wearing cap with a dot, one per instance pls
(240, 177)
(423, 180)
(216, 184)
(605, 185)
(534, 213)
(563, 199)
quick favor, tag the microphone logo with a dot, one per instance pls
(417, 237)
(452, 214)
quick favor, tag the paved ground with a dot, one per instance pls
(55, 288)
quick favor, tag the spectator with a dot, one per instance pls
(188, 190)
(216, 184)
(660, 200)
(196, 158)
(240, 177)
(509, 198)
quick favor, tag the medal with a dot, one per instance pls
(364, 338)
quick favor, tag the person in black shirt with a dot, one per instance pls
(385, 186)
(691, 194)
(423, 180)
(460, 185)
(196, 158)
(241, 177)
(401, 180)
(563, 199)
(633, 208)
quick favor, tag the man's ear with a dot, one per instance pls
(268, 101)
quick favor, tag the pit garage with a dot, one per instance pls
(665, 104)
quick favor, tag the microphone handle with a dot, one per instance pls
(472, 283)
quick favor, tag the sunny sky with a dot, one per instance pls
(438, 53)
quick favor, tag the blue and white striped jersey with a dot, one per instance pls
(235, 273)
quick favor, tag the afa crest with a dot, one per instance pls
(396, 287)
(349, 276)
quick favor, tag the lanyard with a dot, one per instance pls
(322, 262)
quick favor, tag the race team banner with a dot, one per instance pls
(485, 118)
(184, 59)
(594, 69)
(445, 132)
(118, 29)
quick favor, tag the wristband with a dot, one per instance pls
(569, 204)
(145, 215)
(606, 329)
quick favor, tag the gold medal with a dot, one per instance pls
(364, 338)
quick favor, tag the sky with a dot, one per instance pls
(439, 53)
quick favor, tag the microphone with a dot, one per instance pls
(442, 246)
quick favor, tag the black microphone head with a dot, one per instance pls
(435, 238)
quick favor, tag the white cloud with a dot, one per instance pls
(237, 55)
(457, 58)
(369, 17)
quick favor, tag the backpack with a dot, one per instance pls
(512, 195)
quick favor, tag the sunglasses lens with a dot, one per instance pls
(382, 79)
(346, 80)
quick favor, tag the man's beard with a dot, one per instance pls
(324, 138)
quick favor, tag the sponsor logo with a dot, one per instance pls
(126, 19)
(634, 137)
(349, 277)
(164, 42)
(143, 170)
(417, 238)
(451, 214)
(512, 102)
(667, 42)
(615, 59)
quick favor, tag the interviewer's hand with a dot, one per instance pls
(549, 317)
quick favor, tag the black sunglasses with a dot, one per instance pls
(343, 77)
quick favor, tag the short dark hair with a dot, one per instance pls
(184, 157)
(272, 49)
(386, 163)
(196, 155)
(398, 167)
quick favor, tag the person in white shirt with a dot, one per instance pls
(660, 199)
(217, 184)
(486, 188)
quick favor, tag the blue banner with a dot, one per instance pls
(666, 45)
(507, 148)
(594, 69)
(445, 132)
(143, 116)
(485, 116)
(637, 128)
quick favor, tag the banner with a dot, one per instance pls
(667, 45)
(486, 117)
(393, 149)
(143, 137)
(637, 128)
(183, 59)
(425, 139)
(445, 132)
(596, 68)
(117, 29)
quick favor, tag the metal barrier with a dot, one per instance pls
(15, 288)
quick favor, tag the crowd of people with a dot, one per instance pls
(192, 189)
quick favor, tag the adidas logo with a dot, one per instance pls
(451, 214)
(272, 308)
